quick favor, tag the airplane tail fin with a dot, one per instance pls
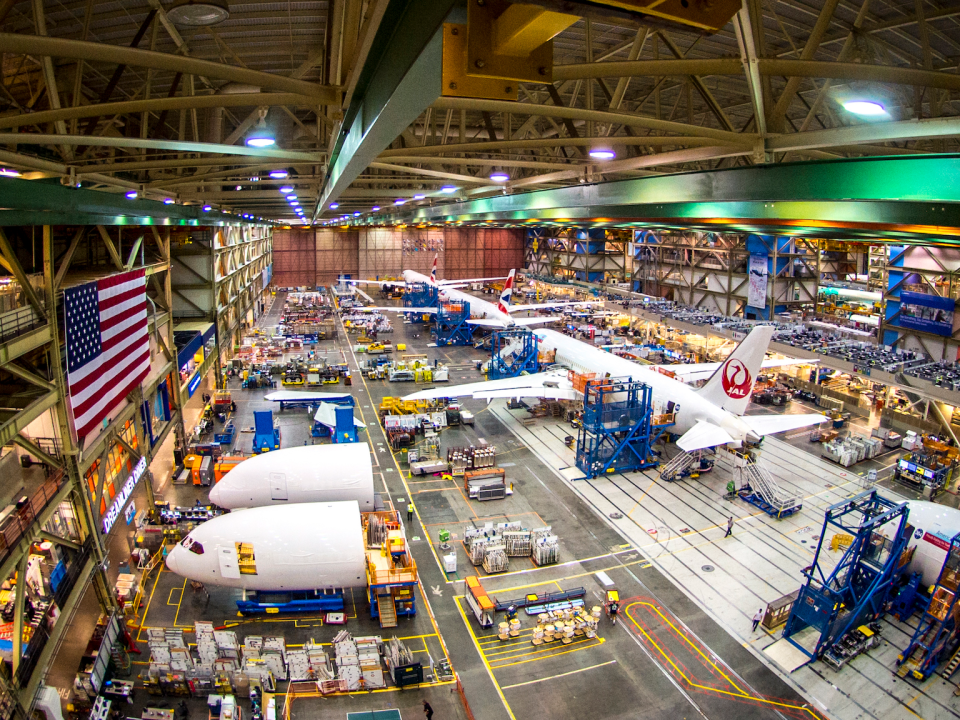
(731, 384)
(433, 270)
(504, 304)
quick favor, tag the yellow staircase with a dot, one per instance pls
(386, 609)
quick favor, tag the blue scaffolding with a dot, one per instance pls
(938, 627)
(451, 326)
(420, 295)
(618, 427)
(856, 588)
(513, 352)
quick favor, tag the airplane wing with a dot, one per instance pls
(396, 283)
(761, 425)
(417, 310)
(534, 385)
(701, 371)
(467, 281)
(542, 306)
(539, 392)
(303, 396)
(487, 322)
(703, 435)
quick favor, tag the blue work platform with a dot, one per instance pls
(618, 427)
(266, 437)
(513, 352)
(451, 326)
(420, 295)
(298, 601)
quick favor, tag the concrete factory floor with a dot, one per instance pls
(683, 647)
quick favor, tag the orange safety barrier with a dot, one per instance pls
(401, 574)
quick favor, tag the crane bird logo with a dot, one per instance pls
(736, 379)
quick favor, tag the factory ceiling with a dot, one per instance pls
(436, 103)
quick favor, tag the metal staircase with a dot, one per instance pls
(951, 667)
(759, 488)
(674, 469)
(386, 609)
(938, 627)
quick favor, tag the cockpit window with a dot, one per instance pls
(192, 545)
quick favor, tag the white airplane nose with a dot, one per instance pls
(172, 561)
(215, 495)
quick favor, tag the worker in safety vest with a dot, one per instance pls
(410, 512)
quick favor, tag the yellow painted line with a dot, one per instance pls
(547, 647)
(560, 675)
(173, 590)
(146, 609)
(707, 688)
(177, 615)
(466, 622)
(652, 483)
(600, 642)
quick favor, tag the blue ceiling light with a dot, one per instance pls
(207, 208)
(291, 197)
(261, 136)
(499, 176)
(286, 189)
(356, 214)
(419, 197)
(334, 206)
(448, 189)
(131, 195)
(399, 201)
(375, 208)
(278, 174)
(868, 108)
(169, 201)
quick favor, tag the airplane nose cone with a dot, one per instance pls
(215, 495)
(172, 561)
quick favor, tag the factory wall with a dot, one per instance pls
(318, 257)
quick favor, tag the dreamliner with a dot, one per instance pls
(411, 277)
(483, 312)
(709, 416)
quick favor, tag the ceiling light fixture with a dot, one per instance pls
(374, 208)
(864, 107)
(239, 187)
(199, 12)
(399, 201)
(261, 136)
(8, 172)
(169, 201)
(499, 176)
(286, 189)
(334, 206)
(419, 197)
(602, 154)
(131, 194)
(356, 214)
(448, 189)
(278, 174)
(291, 197)
(207, 208)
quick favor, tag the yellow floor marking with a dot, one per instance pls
(559, 675)
(707, 688)
(652, 483)
(177, 614)
(547, 647)
(600, 641)
(176, 589)
(466, 622)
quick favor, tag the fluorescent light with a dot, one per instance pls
(334, 206)
(131, 194)
(169, 201)
(602, 154)
(278, 174)
(295, 203)
(399, 201)
(286, 189)
(864, 107)
(291, 197)
(374, 208)
(499, 176)
(448, 189)
(207, 208)
(419, 197)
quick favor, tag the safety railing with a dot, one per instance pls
(18, 322)
(16, 526)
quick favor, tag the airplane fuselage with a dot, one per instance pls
(689, 407)
(478, 307)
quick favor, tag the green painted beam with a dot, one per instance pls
(47, 202)
(902, 198)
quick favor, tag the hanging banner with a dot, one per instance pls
(930, 313)
(757, 289)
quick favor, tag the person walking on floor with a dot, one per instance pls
(427, 710)
(409, 512)
(729, 527)
(757, 618)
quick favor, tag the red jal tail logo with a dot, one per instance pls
(736, 379)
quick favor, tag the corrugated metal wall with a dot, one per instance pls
(318, 257)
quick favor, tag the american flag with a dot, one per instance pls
(108, 345)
